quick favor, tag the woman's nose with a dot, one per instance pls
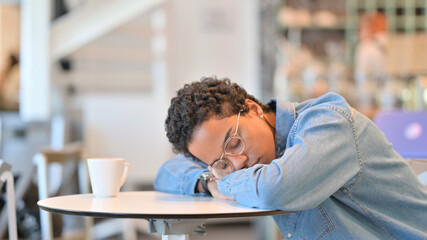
(239, 161)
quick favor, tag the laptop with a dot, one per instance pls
(407, 131)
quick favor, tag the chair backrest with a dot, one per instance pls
(407, 131)
(7, 177)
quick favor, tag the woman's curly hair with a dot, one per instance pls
(200, 101)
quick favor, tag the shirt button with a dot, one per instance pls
(289, 235)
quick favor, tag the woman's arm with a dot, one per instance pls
(320, 159)
(180, 175)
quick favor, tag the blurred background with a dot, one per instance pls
(101, 73)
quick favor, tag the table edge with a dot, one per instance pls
(162, 216)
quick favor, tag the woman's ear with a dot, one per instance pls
(254, 108)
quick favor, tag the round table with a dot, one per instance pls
(174, 216)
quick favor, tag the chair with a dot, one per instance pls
(407, 131)
(7, 177)
(71, 157)
(73, 153)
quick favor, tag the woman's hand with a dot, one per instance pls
(213, 188)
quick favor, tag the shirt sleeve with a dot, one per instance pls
(179, 175)
(321, 158)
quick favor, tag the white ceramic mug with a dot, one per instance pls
(107, 175)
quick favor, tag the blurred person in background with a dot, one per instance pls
(370, 60)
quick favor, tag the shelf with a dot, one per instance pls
(403, 17)
(374, 4)
(413, 23)
(314, 27)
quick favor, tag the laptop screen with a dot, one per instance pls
(407, 131)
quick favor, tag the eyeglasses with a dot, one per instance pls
(234, 145)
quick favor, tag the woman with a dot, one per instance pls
(320, 159)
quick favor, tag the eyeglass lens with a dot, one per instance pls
(222, 168)
(234, 145)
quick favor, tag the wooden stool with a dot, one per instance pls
(71, 153)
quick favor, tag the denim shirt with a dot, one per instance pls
(334, 170)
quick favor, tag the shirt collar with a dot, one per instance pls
(285, 118)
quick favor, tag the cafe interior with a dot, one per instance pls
(94, 78)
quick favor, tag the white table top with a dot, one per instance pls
(150, 205)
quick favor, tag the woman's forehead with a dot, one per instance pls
(214, 125)
(209, 137)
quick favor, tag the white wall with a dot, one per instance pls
(130, 123)
(203, 38)
(208, 38)
(128, 126)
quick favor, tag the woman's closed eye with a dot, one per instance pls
(234, 145)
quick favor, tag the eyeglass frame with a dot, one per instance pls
(224, 154)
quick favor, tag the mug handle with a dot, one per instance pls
(125, 173)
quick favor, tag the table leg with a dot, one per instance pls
(176, 229)
(176, 237)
